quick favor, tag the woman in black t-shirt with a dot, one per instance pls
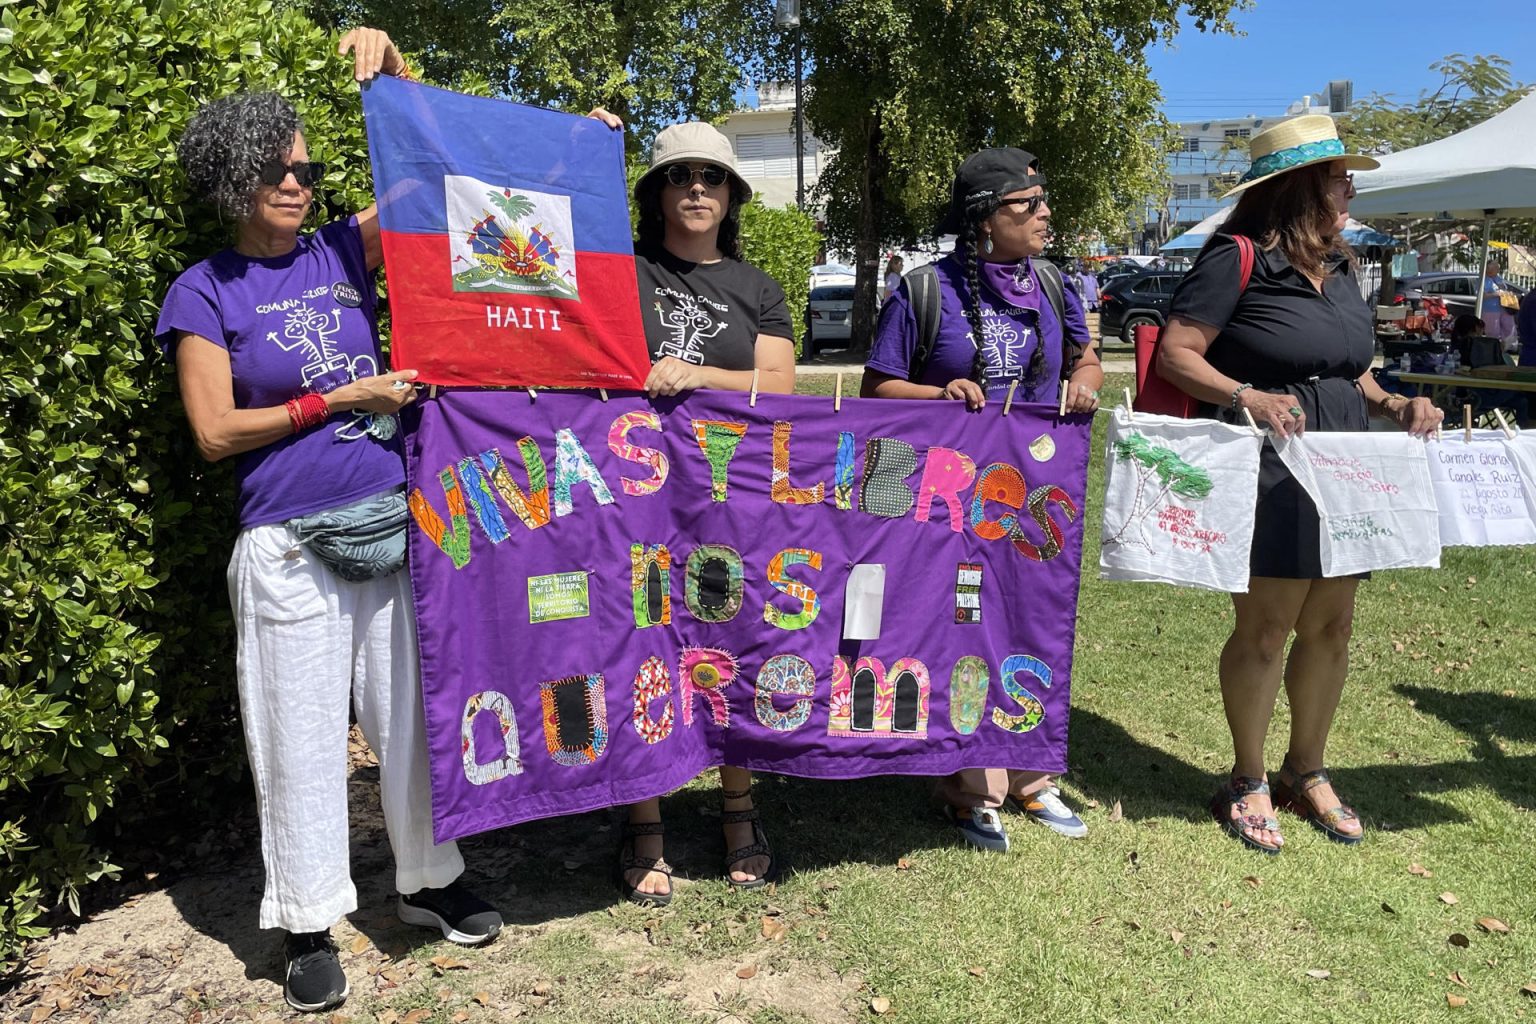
(711, 321)
(1294, 349)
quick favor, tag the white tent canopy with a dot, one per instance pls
(1487, 171)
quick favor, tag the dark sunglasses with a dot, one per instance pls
(306, 173)
(1030, 203)
(681, 175)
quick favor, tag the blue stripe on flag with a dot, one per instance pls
(418, 133)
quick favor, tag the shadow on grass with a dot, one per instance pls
(1110, 764)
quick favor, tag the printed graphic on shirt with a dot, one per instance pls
(1005, 345)
(313, 334)
(689, 322)
(509, 240)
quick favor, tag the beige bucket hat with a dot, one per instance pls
(1309, 139)
(693, 140)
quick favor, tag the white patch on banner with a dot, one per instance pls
(504, 239)
(1179, 501)
(1481, 490)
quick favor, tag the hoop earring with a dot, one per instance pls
(986, 245)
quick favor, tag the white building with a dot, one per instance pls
(763, 139)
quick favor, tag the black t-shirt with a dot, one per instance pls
(709, 314)
(1281, 331)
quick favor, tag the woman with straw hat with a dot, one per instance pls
(711, 321)
(1292, 346)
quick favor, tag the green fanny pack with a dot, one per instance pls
(361, 541)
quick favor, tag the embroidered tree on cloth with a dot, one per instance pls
(1173, 475)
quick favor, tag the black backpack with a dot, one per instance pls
(923, 292)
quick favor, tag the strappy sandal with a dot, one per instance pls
(1291, 792)
(628, 862)
(757, 848)
(1230, 796)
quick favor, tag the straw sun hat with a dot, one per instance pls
(1309, 139)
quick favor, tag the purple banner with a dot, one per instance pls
(613, 596)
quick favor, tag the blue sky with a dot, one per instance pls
(1292, 47)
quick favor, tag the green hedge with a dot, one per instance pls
(115, 665)
(783, 242)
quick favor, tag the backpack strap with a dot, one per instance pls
(923, 292)
(1051, 284)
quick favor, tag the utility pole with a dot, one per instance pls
(787, 16)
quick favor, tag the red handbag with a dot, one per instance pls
(1154, 395)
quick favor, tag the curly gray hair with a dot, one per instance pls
(228, 140)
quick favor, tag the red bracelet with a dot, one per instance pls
(308, 410)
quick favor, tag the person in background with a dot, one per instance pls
(1498, 322)
(893, 268)
(1294, 349)
(1527, 329)
(1091, 287)
(995, 329)
(712, 321)
(322, 612)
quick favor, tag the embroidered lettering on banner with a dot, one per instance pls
(620, 445)
(478, 490)
(453, 542)
(789, 675)
(842, 478)
(705, 671)
(780, 489)
(573, 465)
(888, 462)
(946, 473)
(810, 603)
(867, 701)
(650, 584)
(718, 440)
(575, 719)
(1033, 710)
(712, 583)
(1004, 484)
(968, 693)
(652, 682)
(531, 506)
(507, 762)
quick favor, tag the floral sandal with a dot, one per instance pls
(1291, 791)
(629, 861)
(1230, 796)
(757, 848)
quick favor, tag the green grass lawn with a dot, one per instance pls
(1157, 915)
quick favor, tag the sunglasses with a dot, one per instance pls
(682, 176)
(1030, 203)
(306, 173)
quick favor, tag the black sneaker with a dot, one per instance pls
(314, 980)
(459, 914)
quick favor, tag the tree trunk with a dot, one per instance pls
(866, 250)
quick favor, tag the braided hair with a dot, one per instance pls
(978, 210)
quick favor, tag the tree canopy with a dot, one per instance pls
(1471, 90)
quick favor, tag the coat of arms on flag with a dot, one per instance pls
(509, 263)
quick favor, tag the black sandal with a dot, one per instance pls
(628, 862)
(757, 848)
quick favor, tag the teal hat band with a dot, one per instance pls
(1293, 156)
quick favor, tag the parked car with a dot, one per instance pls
(828, 317)
(1109, 273)
(1141, 299)
(1457, 289)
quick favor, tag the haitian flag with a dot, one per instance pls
(506, 241)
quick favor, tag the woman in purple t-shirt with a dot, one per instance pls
(995, 333)
(276, 350)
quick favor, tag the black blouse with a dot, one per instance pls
(1283, 331)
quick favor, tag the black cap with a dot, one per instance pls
(992, 172)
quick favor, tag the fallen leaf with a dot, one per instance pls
(338, 1018)
(1226, 904)
(773, 929)
(747, 973)
(444, 994)
(482, 997)
(1132, 857)
(1452, 999)
(902, 864)
(460, 1017)
(977, 972)
(1455, 978)
(1092, 805)
(1319, 974)
(1176, 935)
(1529, 989)
(1449, 898)
(1254, 881)
(1459, 940)
(1420, 870)
(416, 1016)
(880, 1004)
(1133, 926)
(572, 865)
(360, 943)
(444, 962)
(1115, 814)
(1386, 908)
(1493, 924)
(543, 988)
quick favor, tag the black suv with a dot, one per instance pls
(1141, 299)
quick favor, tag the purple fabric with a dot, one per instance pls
(1014, 321)
(510, 742)
(294, 323)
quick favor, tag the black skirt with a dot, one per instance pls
(1286, 526)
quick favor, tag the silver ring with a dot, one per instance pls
(400, 385)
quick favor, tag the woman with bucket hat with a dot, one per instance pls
(990, 317)
(711, 321)
(1270, 321)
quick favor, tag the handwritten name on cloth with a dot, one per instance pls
(613, 596)
(1374, 499)
(1480, 489)
(506, 241)
(1178, 501)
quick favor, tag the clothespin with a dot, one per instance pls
(1466, 422)
(1130, 413)
(1509, 432)
(432, 391)
(1013, 386)
(1065, 387)
(603, 393)
(533, 395)
(837, 402)
(1248, 415)
(753, 400)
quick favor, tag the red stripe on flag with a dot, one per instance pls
(510, 339)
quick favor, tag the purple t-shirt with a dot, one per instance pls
(1015, 317)
(299, 322)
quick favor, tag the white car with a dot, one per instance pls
(828, 317)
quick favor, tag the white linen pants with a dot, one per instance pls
(309, 640)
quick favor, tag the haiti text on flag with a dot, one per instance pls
(506, 241)
(613, 596)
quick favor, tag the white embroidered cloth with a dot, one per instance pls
(1480, 488)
